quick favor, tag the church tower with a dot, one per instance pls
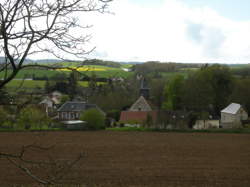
(144, 89)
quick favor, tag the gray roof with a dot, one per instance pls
(233, 108)
(76, 106)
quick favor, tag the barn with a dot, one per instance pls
(232, 116)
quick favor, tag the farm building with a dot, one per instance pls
(72, 110)
(232, 115)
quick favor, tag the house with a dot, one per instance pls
(48, 104)
(72, 110)
(232, 115)
(56, 95)
(51, 101)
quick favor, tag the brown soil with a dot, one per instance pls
(138, 158)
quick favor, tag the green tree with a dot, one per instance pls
(92, 84)
(32, 117)
(209, 86)
(221, 80)
(198, 93)
(157, 92)
(65, 98)
(173, 93)
(241, 93)
(72, 85)
(94, 118)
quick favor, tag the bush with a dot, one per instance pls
(94, 118)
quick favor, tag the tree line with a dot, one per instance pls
(209, 89)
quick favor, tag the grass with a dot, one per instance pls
(140, 129)
(45, 129)
(240, 130)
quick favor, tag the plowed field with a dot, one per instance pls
(138, 158)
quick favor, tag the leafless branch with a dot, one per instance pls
(33, 26)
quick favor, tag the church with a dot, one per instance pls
(141, 113)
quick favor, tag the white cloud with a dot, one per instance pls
(171, 31)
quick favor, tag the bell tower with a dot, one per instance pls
(144, 89)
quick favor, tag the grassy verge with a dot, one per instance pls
(242, 130)
(140, 129)
(30, 130)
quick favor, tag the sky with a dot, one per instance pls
(195, 31)
(174, 30)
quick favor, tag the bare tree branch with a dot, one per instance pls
(33, 26)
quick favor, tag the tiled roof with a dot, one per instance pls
(232, 108)
(75, 106)
(137, 116)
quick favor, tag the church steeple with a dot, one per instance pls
(144, 89)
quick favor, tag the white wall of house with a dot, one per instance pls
(227, 118)
(206, 124)
(233, 120)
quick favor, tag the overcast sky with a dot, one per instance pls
(173, 30)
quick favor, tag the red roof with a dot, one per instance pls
(137, 116)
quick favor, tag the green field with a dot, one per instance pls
(25, 84)
(35, 84)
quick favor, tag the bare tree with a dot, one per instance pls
(28, 27)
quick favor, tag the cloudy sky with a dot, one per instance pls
(173, 30)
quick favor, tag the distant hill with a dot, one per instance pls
(27, 60)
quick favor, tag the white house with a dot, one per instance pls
(232, 115)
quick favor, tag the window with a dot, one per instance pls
(72, 115)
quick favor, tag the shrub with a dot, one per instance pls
(94, 118)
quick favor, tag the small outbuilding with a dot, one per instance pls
(232, 116)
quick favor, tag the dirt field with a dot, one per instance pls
(139, 158)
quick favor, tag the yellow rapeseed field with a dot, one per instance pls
(84, 69)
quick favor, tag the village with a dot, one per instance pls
(142, 113)
(124, 93)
